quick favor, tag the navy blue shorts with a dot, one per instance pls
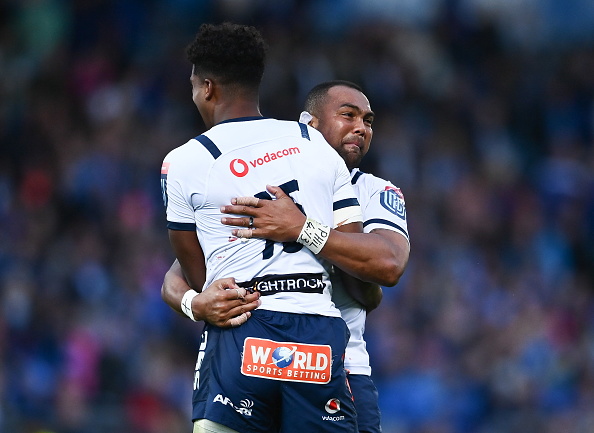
(278, 372)
(366, 403)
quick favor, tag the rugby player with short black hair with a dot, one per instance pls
(290, 353)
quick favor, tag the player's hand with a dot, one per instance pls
(279, 220)
(223, 303)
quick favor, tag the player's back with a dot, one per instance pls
(239, 158)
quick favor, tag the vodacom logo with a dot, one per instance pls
(239, 167)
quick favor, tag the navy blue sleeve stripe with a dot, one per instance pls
(210, 146)
(385, 222)
(356, 177)
(304, 131)
(184, 227)
(340, 204)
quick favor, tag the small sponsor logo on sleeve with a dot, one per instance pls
(392, 199)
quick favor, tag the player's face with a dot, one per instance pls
(346, 122)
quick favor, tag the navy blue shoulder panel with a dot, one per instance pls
(356, 177)
(210, 146)
(347, 202)
(386, 222)
(185, 227)
(304, 131)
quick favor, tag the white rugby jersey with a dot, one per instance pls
(239, 157)
(383, 208)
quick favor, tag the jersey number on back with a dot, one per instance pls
(288, 247)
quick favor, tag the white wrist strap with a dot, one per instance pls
(186, 303)
(314, 235)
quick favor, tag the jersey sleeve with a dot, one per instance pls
(385, 209)
(180, 215)
(346, 206)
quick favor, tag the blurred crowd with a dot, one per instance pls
(484, 118)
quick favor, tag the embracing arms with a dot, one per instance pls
(223, 303)
(379, 257)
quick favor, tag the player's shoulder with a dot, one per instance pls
(303, 130)
(324, 152)
(260, 124)
(190, 155)
(359, 177)
(180, 151)
(373, 184)
(257, 130)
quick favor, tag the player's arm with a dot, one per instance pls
(377, 257)
(367, 294)
(215, 304)
(184, 281)
(223, 303)
(372, 257)
(190, 256)
(370, 294)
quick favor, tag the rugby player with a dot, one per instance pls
(290, 353)
(342, 113)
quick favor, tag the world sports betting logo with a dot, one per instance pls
(240, 168)
(292, 362)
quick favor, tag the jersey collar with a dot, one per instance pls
(243, 119)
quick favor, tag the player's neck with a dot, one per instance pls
(235, 109)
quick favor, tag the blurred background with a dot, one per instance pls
(484, 118)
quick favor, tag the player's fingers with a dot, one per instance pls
(246, 302)
(239, 209)
(241, 292)
(276, 191)
(225, 283)
(246, 201)
(241, 222)
(234, 293)
(250, 301)
(236, 321)
(244, 222)
(243, 233)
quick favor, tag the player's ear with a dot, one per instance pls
(209, 88)
(314, 122)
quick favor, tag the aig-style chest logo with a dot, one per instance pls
(393, 200)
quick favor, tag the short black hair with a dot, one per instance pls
(233, 53)
(317, 96)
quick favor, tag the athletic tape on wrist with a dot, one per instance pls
(186, 303)
(314, 235)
